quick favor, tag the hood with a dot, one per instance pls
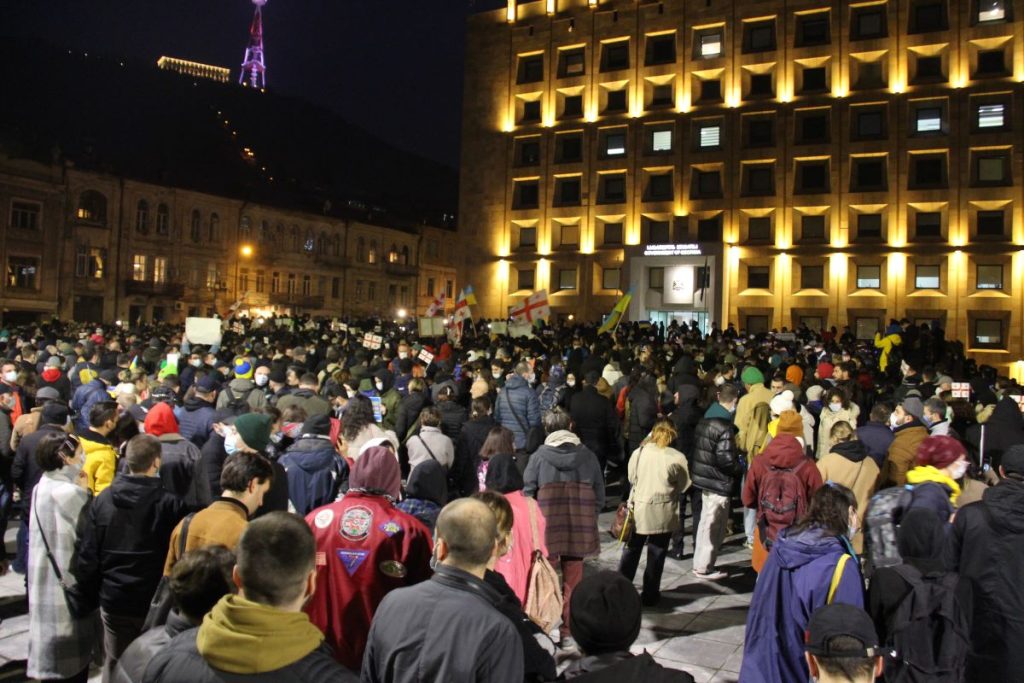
(502, 474)
(926, 473)
(784, 451)
(314, 454)
(564, 457)
(243, 637)
(193, 404)
(377, 470)
(1006, 501)
(428, 481)
(128, 490)
(688, 394)
(51, 375)
(240, 386)
(556, 378)
(717, 411)
(1006, 415)
(684, 366)
(983, 394)
(921, 537)
(853, 451)
(160, 420)
(805, 547)
(516, 382)
(92, 440)
(560, 437)
(913, 424)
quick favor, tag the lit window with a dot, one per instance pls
(991, 115)
(710, 136)
(991, 10)
(711, 45)
(929, 119)
(139, 267)
(926, 277)
(869, 277)
(567, 278)
(661, 141)
(990, 277)
(610, 278)
(615, 145)
(988, 332)
(991, 169)
(160, 269)
(22, 272)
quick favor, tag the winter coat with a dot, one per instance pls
(830, 418)
(658, 475)
(517, 409)
(221, 523)
(453, 416)
(642, 412)
(100, 460)
(430, 444)
(876, 438)
(986, 547)
(538, 663)
(59, 645)
(467, 453)
(1004, 428)
(595, 422)
(426, 493)
(784, 452)
(242, 389)
(87, 396)
(314, 470)
(131, 665)
(903, 452)
(758, 393)
(308, 400)
(715, 458)
(25, 471)
(123, 546)
(25, 425)
(409, 412)
(848, 464)
(685, 418)
(793, 583)
(195, 420)
(886, 344)
(516, 563)
(619, 667)
(53, 377)
(181, 470)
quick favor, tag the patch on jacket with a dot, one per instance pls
(352, 559)
(390, 528)
(355, 523)
(323, 519)
(394, 569)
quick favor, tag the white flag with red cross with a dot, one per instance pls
(436, 307)
(533, 308)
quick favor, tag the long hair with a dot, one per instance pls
(499, 440)
(829, 509)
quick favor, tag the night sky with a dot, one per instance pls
(393, 67)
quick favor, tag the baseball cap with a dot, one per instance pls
(836, 620)
(207, 384)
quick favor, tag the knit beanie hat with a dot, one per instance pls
(825, 370)
(243, 369)
(604, 613)
(319, 424)
(912, 406)
(254, 428)
(815, 392)
(940, 451)
(751, 375)
(790, 423)
(278, 375)
(782, 402)
(794, 374)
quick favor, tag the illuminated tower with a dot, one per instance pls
(253, 68)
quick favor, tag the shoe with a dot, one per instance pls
(649, 601)
(749, 545)
(710, 576)
(567, 643)
(676, 553)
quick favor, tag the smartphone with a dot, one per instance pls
(377, 417)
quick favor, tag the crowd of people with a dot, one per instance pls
(300, 502)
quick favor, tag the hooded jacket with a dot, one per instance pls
(517, 409)
(122, 548)
(53, 377)
(195, 420)
(308, 400)
(715, 458)
(793, 583)
(986, 547)
(467, 453)
(876, 438)
(642, 411)
(100, 460)
(242, 389)
(85, 398)
(1004, 428)
(848, 464)
(315, 471)
(594, 420)
(131, 666)
(617, 667)
(903, 452)
(389, 397)
(425, 493)
(408, 413)
(250, 641)
(783, 452)
(453, 416)
(181, 467)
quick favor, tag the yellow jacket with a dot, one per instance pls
(100, 463)
(886, 344)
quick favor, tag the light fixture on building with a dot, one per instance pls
(402, 313)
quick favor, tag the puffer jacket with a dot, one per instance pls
(181, 467)
(242, 389)
(828, 420)
(452, 418)
(195, 420)
(315, 471)
(517, 399)
(409, 412)
(467, 454)
(715, 458)
(643, 411)
(850, 465)
(85, 398)
(131, 666)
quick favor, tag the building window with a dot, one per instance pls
(662, 96)
(869, 277)
(759, 277)
(988, 333)
(660, 141)
(92, 207)
(926, 277)
(430, 286)
(371, 255)
(710, 229)
(163, 220)
(568, 148)
(869, 75)
(815, 79)
(613, 189)
(615, 56)
(812, 177)
(572, 107)
(615, 144)
(929, 69)
(709, 135)
(139, 267)
(991, 11)
(709, 44)
(243, 280)
(531, 69)
(869, 124)
(812, 277)
(307, 285)
(142, 217)
(991, 63)
(22, 272)
(610, 278)
(812, 29)
(526, 195)
(869, 227)
(991, 169)
(760, 132)
(160, 269)
(990, 277)
(928, 119)
(528, 152)
(25, 215)
(927, 16)
(659, 187)
(813, 127)
(571, 63)
(567, 191)
(616, 101)
(449, 288)
(567, 278)
(195, 226)
(990, 224)
(360, 289)
(759, 229)
(869, 22)
(661, 49)
(569, 235)
(371, 290)
(612, 234)
(524, 278)
(761, 85)
(759, 36)
(658, 232)
(759, 180)
(275, 282)
(812, 228)
(868, 174)
(89, 261)
(245, 228)
(214, 227)
(927, 171)
(291, 283)
(527, 238)
(531, 111)
(990, 116)
(260, 281)
(655, 278)
(928, 225)
(711, 90)
(706, 184)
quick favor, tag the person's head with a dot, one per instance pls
(103, 417)
(142, 455)
(9, 371)
(377, 471)
(499, 440)
(934, 411)
(1012, 465)
(55, 451)
(906, 412)
(556, 419)
(663, 434)
(417, 384)
(466, 536)
(524, 370)
(292, 376)
(54, 413)
(503, 474)
(841, 432)
(246, 477)
(842, 645)
(751, 377)
(945, 454)
(275, 566)
(604, 613)
(502, 510)
(308, 381)
(480, 407)
(199, 579)
(832, 508)
(880, 413)
(728, 396)
(778, 383)
(430, 417)
(251, 434)
(921, 536)
(836, 399)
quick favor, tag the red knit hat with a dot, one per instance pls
(940, 451)
(825, 370)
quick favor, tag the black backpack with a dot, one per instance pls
(237, 405)
(929, 635)
(881, 523)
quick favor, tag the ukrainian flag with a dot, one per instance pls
(612, 321)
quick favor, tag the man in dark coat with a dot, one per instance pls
(594, 421)
(467, 447)
(409, 408)
(196, 417)
(517, 407)
(313, 466)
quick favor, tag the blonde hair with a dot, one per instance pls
(664, 433)
(841, 431)
(502, 510)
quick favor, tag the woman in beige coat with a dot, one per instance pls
(658, 475)
(849, 464)
(837, 408)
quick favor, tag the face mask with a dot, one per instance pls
(196, 363)
(570, 382)
(496, 374)
(403, 354)
(851, 531)
(231, 443)
(11, 376)
(719, 381)
(835, 407)
(261, 380)
(380, 385)
(927, 422)
(351, 393)
(74, 468)
(531, 378)
(894, 420)
(959, 469)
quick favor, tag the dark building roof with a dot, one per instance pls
(111, 115)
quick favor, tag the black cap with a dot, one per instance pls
(54, 413)
(1013, 460)
(278, 375)
(836, 620)
(319, 424)
(207, 385)
(604, 613)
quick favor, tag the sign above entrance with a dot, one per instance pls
(672, 250)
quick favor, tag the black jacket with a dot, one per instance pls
(453, 416)
(986, 546)
(620, 667)
(643, 411)
(467, 454)
(408, 412)
(122, 549)
(25, 471)
(595, 422)
(195, 420)
(212, 457)
(715, 458)
(538, 663)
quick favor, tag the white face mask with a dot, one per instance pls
(571, 382)
(11, 376)
(380, 385)
(261, 380)
(894, 421)
(196, 363)
(531, 378)
(958, 470)
(835, 407)
(719, 381)
(403, 354)
(496, 374)
(231, 442)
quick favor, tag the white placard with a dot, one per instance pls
(519, 330)
(678, 285)
(430, 327)
(498, 328)
(372, 341)
(426, 357)
(961, 390)
(203, 330)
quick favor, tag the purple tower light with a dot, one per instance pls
(253, 65)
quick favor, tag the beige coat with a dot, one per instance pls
(745, 409)
(658, 476)
(828, 419)
(860, 477)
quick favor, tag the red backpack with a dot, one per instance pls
(782, 500)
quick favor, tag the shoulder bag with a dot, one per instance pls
(543, 589)
(534, 435)
(162, 603)
(624, 524)
(79, 604)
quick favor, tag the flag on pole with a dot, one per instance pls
(436, 307)
(467, 295)
(462, 305)
(619, 310)
(534, 308)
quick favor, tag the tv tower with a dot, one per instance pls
(253, 67)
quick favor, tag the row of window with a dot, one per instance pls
(813, 28)
(565, 279)
(811, 126)
(988, 276)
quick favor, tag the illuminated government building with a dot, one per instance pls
(766, 163)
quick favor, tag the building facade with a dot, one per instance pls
(438, 265)
(768, 164)
(88, 246)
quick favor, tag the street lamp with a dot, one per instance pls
(402, 313)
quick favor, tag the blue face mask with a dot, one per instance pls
(231, 443)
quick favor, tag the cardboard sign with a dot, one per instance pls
(372, 341)
(430, 327)
(338, 326)
(426, 357)
(498, 328)
(519, 330)
(203, 330)
(961, 390)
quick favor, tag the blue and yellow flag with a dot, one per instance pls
(612, 321)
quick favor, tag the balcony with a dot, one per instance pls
(296, 300)
(399, 269)
(173, 290)
(331, 261)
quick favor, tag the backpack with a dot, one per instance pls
(237, 405)
(929, 635)
(881, 522)
(783, 500)
(550, 396)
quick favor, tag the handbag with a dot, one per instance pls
(534, 435)
(624, 524)
(162, 603)
(80, 604)
(543, 589)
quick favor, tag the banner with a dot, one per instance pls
(430, 327)
(203, 330)
(516, 330)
